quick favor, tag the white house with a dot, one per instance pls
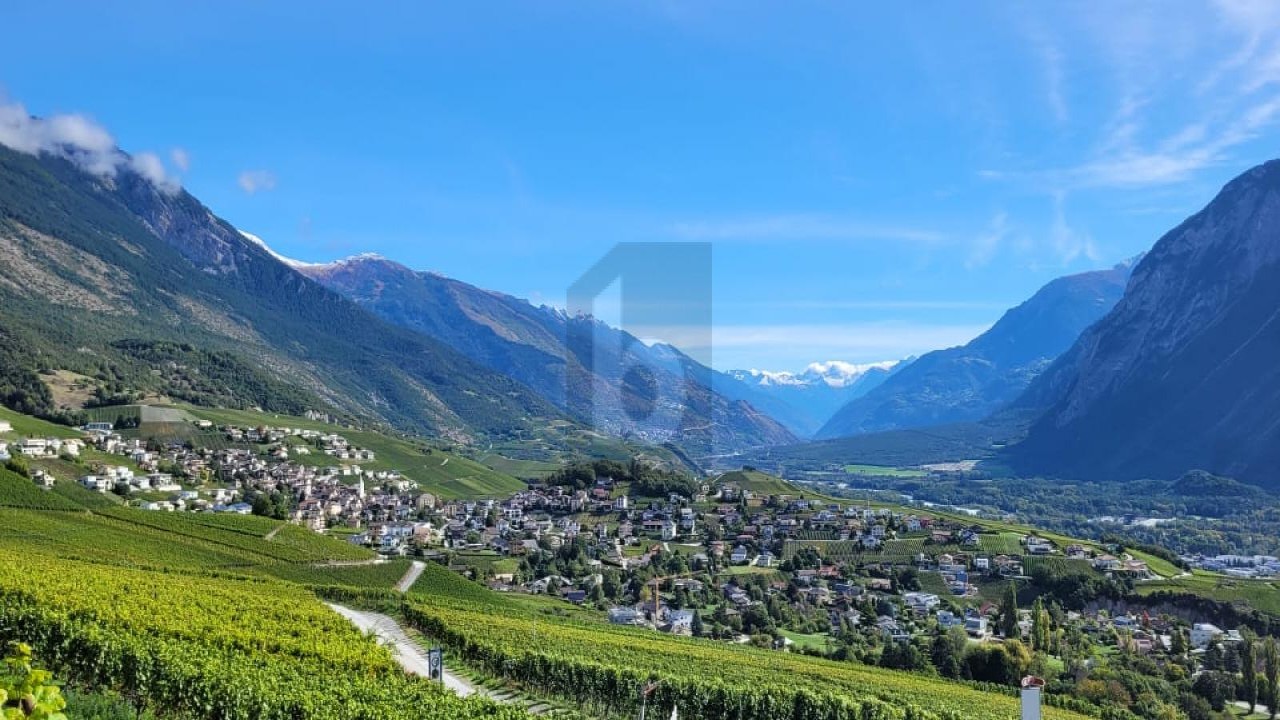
(921, 601)
(681, 621)
(1202, 634)
(5, 426)
(33, 446)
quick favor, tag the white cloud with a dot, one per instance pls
(253, 181)
(181, 159)
(986, 244)
(799, 227)
(80, 140)
(1069, 243)
(149, 166)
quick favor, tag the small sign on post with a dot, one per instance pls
(435, 663)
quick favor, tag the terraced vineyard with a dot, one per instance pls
(81, 525)
(290, 544)
(604, 666)
(19, 492)
(204, 647)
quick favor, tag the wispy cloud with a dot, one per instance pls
(254, 181)
(800, 227)
(1069, 243)
(1159, 71)
(80, 140)
(856, 342)
(989, 241)
(181, 159)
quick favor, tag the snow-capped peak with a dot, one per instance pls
(837, 373)
(299, 264)
(833, 373)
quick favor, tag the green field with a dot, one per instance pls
(1264, 595)
(805, 640)
(25, 425)
(761, 483)
(884, 471)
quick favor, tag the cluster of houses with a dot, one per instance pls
(1240, 566)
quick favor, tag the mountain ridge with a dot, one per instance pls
(1181, 374)
(535, 345)
(969, 382)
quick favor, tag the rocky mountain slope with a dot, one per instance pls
(139, 288)
(971, 381)
(544, 349)
(1185, 371)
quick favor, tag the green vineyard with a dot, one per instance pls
(202, 647)
(603, 667)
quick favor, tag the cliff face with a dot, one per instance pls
(1185, 371)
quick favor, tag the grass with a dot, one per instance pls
(884, 471)
(25, 425)
(1263, 595)
(760, 483)
(518, 468)
(813, 641)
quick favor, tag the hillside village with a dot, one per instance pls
(724, 560)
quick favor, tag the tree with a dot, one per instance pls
(1248, 673)
(947, 652)
(696, 625)
(1041, 632)
(1215, 687)
(1009, 611)
(1271, 671)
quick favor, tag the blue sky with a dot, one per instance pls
(876, 182)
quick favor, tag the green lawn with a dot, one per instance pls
(25, 425)
(807, 640)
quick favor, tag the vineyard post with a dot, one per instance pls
(644, 695)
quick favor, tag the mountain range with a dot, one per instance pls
(969, 382)
(1185, 371)
(548, 351)
(109, 274)
(804, 401)
(116, 287)
(137, 288)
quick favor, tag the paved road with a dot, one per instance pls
(407, 652)
(410, 576)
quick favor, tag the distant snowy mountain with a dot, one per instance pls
(803, 401)
(832, 373)
(967, 383)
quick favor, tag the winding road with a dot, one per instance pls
(410, 576)
(406, 651)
